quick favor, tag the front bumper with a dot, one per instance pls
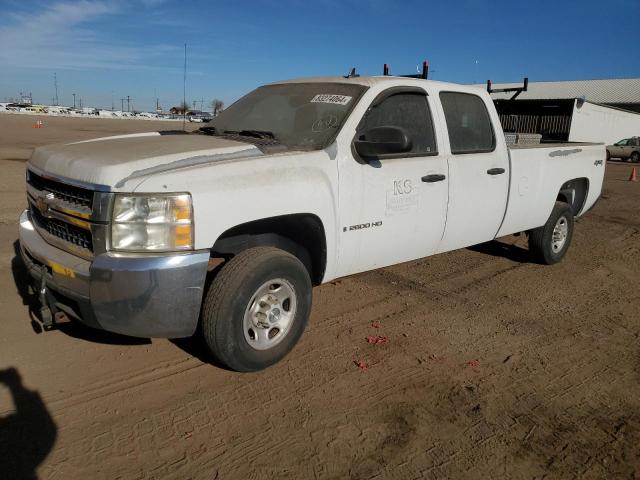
(142, 295)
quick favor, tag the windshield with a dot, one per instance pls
(303, 116)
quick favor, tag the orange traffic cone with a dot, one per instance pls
(38, 124)
(634, 175)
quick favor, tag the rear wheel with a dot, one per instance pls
(549, 244)
(635, 157)
(256, 308)
(608, 156)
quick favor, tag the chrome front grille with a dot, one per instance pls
(68, 193)
(68, 232)
(71, 217)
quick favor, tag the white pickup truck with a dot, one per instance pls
(225, 231)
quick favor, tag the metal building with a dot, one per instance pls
(583, 110)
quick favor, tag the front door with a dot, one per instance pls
(393, 208)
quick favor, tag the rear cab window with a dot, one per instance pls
(468, 123)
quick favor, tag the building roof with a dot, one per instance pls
(621, 90)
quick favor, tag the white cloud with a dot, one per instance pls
(60, 37)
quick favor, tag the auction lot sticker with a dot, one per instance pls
(333, 99)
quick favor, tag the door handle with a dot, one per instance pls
(495, 171)
(436, 177)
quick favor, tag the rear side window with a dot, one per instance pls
(468, 123)
(409, 111)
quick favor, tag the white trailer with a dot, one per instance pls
(591, 122)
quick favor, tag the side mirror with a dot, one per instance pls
(380, 141)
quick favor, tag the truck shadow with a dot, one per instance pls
(74, 329)
(496, 248)
(28, 434)
(195, 347)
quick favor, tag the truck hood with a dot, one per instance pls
(112, 161)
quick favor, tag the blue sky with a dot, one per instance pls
(110, 49)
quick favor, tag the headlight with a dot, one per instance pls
(152, 223)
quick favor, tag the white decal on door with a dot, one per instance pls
(402, 198)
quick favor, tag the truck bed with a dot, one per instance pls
(538, 173)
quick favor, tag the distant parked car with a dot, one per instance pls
(627, 149)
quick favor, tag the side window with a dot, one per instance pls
(622, 143)
(409, 111)
(468, 122)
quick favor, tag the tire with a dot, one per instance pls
(635, 157)
(545, 243)
(258, 292)
(608, 156)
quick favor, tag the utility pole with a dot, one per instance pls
(80, 103)
(184, 89)
(112, 109)
(55, 84)
(128, 103)
(74, 100)
(122, 104)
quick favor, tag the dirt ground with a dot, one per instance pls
(495, 367)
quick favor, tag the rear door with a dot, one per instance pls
(393, 209)
(478, 166)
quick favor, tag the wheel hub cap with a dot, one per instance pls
(270, 313)
(559, 236)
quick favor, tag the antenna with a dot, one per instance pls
(352, 73)
(184, 89)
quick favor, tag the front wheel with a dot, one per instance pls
(256, 308)
(549, 244)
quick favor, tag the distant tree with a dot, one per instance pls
(180, 109)
(217, 106)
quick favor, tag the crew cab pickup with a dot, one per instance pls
(224, 231)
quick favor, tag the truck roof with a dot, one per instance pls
(370, 81)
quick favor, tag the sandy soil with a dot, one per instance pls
(495, 367)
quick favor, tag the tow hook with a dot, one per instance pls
(45, 311)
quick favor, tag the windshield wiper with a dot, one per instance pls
(208, 130)
(267, 137)
(261, 134)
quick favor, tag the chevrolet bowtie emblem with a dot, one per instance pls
(43, 203)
